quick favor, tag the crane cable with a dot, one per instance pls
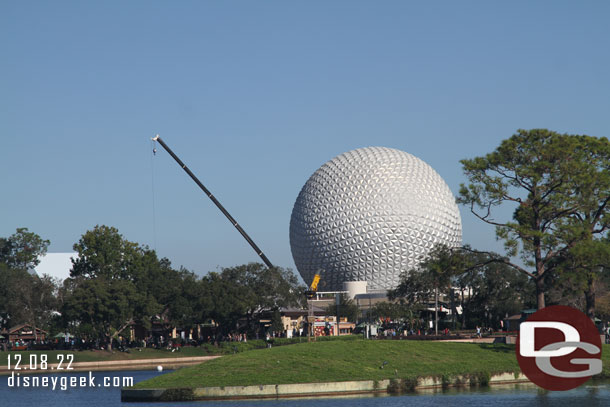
(153, 145)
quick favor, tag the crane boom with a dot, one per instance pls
(216, 202)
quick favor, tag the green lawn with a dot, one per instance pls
(94, 356)
(225, 348)
(355, 359)
(342, 361)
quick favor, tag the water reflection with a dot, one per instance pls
(592, 394)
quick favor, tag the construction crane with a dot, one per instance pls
(313, 288)
(216, 202)
(309, 294)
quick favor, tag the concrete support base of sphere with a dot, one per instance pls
(354, 288)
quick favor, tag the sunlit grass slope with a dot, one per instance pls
(342, 361)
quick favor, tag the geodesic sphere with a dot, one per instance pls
(368, 215)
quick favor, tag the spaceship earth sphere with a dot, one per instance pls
(368, 215)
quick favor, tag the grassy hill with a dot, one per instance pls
(342, 360)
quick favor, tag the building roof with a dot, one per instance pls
(20, 327)
(302, 312)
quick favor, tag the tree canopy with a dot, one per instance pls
(110, 284)
(347, 308)
(248, 291)
(22, 249)
(486, 290)
(115, 281)
(24, 297)
(558, 187)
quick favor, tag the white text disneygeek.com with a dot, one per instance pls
(15, 380)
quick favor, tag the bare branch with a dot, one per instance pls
(485, 218)
(551, 190)
(495, 258)
(520, 181)
(559, 215)
(600, 211)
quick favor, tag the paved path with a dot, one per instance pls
(132, 364)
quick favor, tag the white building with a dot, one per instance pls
(56, 265)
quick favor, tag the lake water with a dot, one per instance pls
(592, 394)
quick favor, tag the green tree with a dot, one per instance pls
(603, 306)
(347, 309)
(485, 289)
(26, 298)
(103, 252)
(433, 277)
(489, 291)
(549, 179)
(12, 298)
(581, 272)
(5, 250)
(247, 291)
(99, 308)
(396, 311)
(110, 284)
(588, 257)
(225, 301)
(22, 249)
(274, 287)
(181, 308)
(276, 321)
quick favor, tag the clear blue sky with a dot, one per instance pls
(255, 96)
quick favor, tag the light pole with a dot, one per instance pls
(436, 311)
(337, 302)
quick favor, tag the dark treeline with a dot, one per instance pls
(114, 283)
(485, 292)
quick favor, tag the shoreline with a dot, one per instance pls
(131, 364)
(313, 390)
